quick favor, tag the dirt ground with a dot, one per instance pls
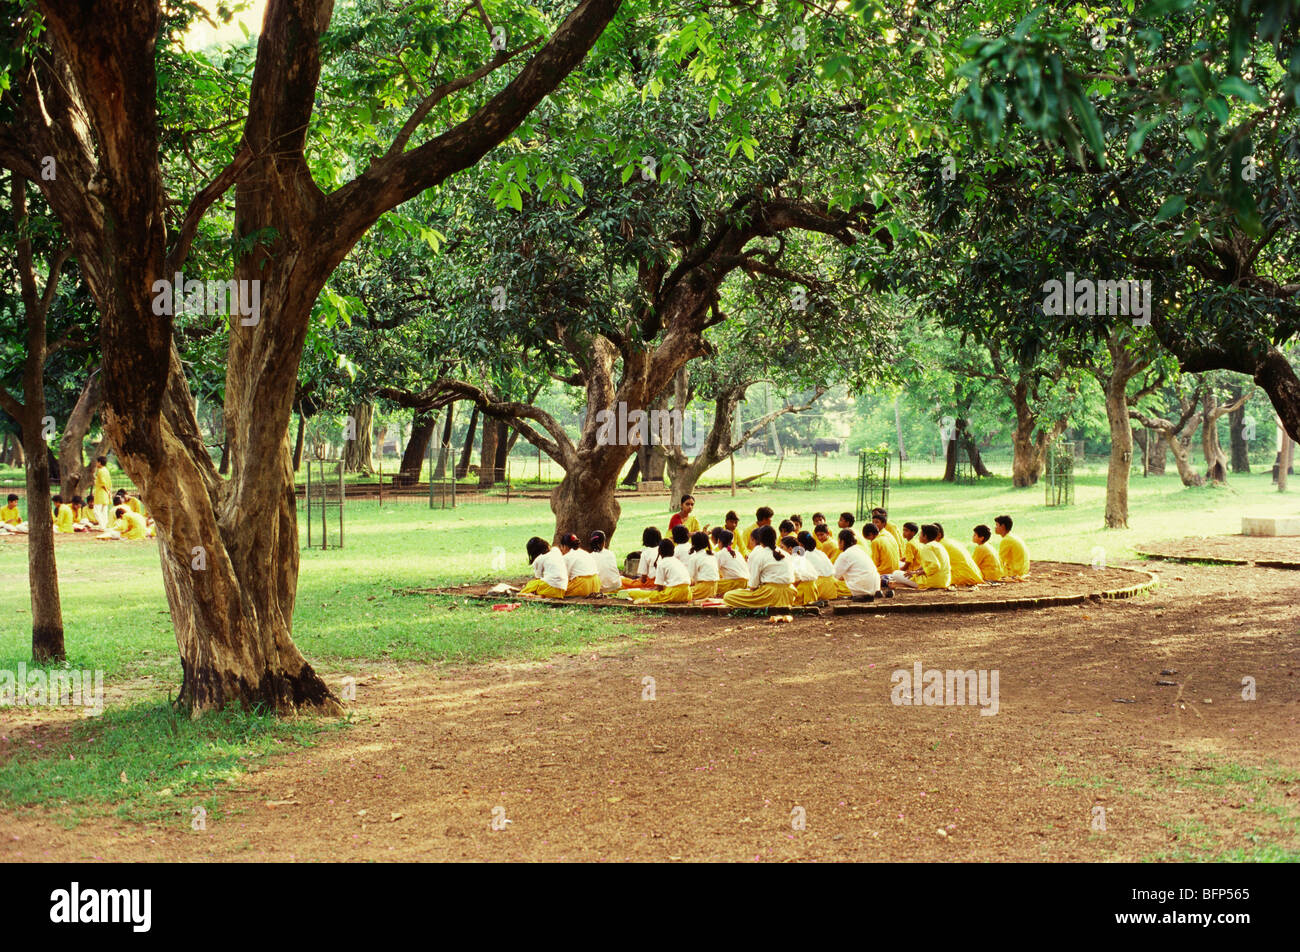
(1238, 547)
(754, 726)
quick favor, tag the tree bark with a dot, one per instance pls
(1029, 448)
(358, 451)
(1284, 459)
(229, 548)
(1216, 461)
(423, 425)
(1240, 449)
(487, 463)
(42, 571)
(465, 454)
(505, 439)
(1176, 435)
(1121, 449)
(1154, 453)
(444, 448)
(72, 463)
(298, 442)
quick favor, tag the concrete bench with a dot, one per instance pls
(1270, 525)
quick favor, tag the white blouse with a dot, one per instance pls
(550, 568)
(611, 580)
(764, 568)
(858, 571)
(670, 572)
(731, 564)
(704, 566)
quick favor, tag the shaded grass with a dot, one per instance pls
(142, 762)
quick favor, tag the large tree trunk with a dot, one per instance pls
(1284, 458)
(1237, 437)
(1216, 461)
(72, 463)
(229, 548)
(423, 424)
(1028, 449)
(1154, 453)
(359, 449)
(42, 573)
(505, 440)
(585, 501)
(444, 448)
(1180, 448)
(1121, 450)
(463, 466)
(487, 461)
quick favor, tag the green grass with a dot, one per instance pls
(143, 762)
(1258, 792)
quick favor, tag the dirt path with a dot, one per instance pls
(751, 720)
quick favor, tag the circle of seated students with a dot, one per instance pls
(776, 567)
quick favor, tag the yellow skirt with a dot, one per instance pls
(676, 593)
(637, 583)
(767, 595)
(538, 587)
(805, 592)
(582, 586)
(727, 584)
(704, 590)
(826, 587)
(842, 589)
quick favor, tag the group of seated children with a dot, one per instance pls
(778, 567)
(127, 517)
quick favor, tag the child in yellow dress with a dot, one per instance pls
(650, 539)
(550, 574)
(672, 582)
(1012, 552)
(964, 569)
(986, 557)
(703, 566)
(584, 579)
(805, 576)
(821, 564)
(771, 576)
(733, 572)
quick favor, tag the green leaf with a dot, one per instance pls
(1172, 206)
(1236, 86)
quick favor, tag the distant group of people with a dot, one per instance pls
(778, 566)
(114, 515)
